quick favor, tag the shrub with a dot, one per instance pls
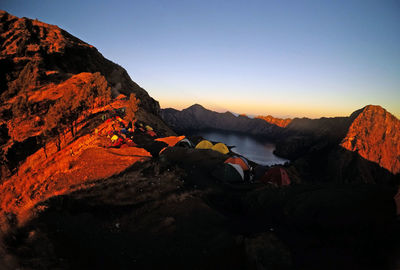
(132, 108)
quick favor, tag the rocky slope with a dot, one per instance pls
(34, 53)
(371, 132)
(375, 135)
(43, 154)
(196, 117)
(275, 121)
(303, 135)
(360, 148)
(41, 63)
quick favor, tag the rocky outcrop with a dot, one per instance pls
(275, 121)
(33, 53)
(196, 117)
(375, 135)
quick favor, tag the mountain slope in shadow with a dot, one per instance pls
(196, 117)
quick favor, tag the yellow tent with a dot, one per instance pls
(204, 144)
(148, 127)
(114, 138)
(220, 147)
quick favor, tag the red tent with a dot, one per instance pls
(151, 133)
(277, 176)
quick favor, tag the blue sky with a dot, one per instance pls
(285, 58)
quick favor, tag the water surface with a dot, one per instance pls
(259, 151)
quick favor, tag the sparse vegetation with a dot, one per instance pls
(132, 108)
(65, 112)
(21, 107)
(28, 78)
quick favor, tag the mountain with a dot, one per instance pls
(34, 53)
(56, 91)
(371, 132)
(375, 135)
(196, 117)
(302, 135)
(360, 148)
(41, 63)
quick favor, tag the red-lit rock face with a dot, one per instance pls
(375, 135)
(33, 54)
(276, 121)
(27, 38)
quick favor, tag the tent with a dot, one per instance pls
(277, 176)
(185, 143)
(204, 144)
(114, 138)
(171, 140)
(242, 162)
(118, 143)
(151, 133)
(220, 147)
(228, 172)
(162, 150)
(148, 128)
(154, 147)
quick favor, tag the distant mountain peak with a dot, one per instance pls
(196, 106)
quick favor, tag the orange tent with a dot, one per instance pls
(171, 140)
(277, 176)
(162, 150)
(239, 161)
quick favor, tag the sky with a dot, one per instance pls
(283, 58)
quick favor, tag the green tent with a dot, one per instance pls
(228, 172)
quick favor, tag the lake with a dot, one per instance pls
(252, 148)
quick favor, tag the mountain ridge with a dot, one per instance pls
(197, 117)
(36, 53)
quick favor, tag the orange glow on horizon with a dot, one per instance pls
(276, 110)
